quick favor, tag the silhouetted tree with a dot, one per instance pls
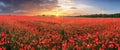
(102, 15)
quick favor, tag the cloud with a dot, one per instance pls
(0, 10)
(82, 9)
(2, 4)
(20, 11)
(70, 7)
(65, 7)
(31, 6)
(73, 8)
(89, 9)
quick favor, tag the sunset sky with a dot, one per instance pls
(58, 7)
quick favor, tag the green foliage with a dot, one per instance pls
(70, 48)
(62, 32)
(11, 39)
(119, 41)
(117, 15)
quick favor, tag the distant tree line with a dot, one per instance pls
(117, 15)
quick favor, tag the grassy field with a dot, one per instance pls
(47, 33)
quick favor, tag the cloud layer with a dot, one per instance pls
(26, 6)
(78, 8)
(61, 7)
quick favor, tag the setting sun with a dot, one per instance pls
(57, 14)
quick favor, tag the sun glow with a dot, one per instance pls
(58, 11)
(57, 14)
(51, 13)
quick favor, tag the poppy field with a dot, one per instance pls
(60, 33)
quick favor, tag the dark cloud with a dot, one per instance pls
(12, 6)
(73, 8)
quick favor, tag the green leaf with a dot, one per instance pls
(119, 41)
(70, 48)
(11, 39)
(79, 43)
(62, 32)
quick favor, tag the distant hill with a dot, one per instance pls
(117, 15)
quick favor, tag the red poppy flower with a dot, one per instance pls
(89, 46)
(111, 46)
(38, 46)
(32, 48)
(119, 48)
